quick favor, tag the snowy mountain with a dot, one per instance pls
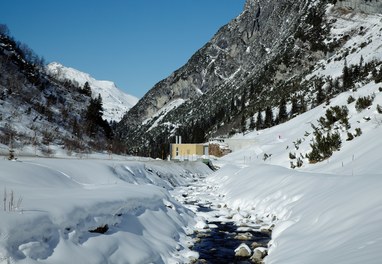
(274, 53)
(115, 102)
(41, 114)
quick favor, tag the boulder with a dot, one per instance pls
(243, 251)
(244, 236)
(258, 255)
(256, 245)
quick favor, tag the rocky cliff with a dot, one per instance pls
(239, 50)
(262, 58)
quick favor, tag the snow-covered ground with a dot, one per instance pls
(57, 202)
(115, 102)
(329, 212)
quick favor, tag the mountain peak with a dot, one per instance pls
(115, 102)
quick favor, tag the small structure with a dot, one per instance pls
(191, 152)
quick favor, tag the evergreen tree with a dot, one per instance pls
(320, 96)
(243, 123)
(330, 87)
(347, 82)
(295, 107)
(378, 76)
(233, 107)
(259, 121)
(252, 124)
(86, 89)
(283, 115)
(268, 122)
(93, 116)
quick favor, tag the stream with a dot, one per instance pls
(221, 230)
(219, 244)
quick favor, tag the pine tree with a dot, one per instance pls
(295, 107)
(259, 121)
(268, 122)
(86, 89)
(93, 115)
(252, 124)
(283, 115)
(320, 96)
(233, 107)
(347, 82)
(243, 123)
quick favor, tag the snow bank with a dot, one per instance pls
(322, 218)
(329, 212)
(63, 200)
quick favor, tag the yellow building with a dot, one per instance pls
(188, 151)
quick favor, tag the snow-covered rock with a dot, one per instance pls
(258, 255)
(243, 251)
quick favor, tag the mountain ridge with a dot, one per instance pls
(115, 101)
(271, 53)
(237, 52)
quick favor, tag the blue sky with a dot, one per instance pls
(133, 43)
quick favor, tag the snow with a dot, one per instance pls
(115, 102)
(158, 116)
(329, 212)
(62, 199)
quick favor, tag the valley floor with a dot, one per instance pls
(57, 205)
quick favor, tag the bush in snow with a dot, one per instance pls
(11, 155)
(363, 103)
(334, 114)
(379, 109)
(351, 99)
(350, 136)
(323, 145)
(358, 132)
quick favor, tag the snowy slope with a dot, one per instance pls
(329, 212)
(115, 102)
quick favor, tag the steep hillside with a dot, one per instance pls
(265, 58)
(38, 111)
(115, 102)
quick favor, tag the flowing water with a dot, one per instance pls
(218, 245)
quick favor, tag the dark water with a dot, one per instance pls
(218, 245)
